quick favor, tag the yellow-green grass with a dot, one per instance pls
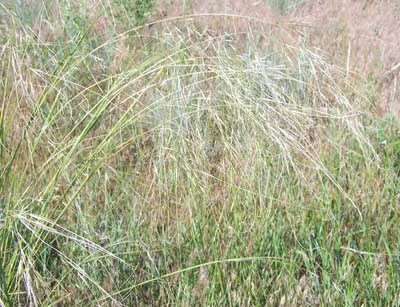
(173, 166)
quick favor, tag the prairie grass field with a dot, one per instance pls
(187, 153)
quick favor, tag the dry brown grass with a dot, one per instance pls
(362, 35)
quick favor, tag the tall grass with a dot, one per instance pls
(170, 166)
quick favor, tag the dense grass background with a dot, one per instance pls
(171, 164)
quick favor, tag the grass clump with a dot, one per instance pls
(171, 167)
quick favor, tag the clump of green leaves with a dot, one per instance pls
(143, 9)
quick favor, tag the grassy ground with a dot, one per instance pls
(171, 164)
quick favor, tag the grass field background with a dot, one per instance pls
(193, 153)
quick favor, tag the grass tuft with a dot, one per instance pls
(168, 164)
